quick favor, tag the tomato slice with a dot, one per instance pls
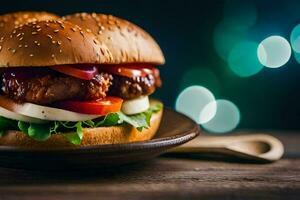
(96, 107)
(128, 70)
(81, 72)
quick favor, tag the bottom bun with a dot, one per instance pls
(91, 136)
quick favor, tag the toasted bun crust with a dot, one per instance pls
(127, 42)
(46, 43)
(91, 136)
(11, 20)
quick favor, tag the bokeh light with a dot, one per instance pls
(243, 59)
(226, 37)
(295, 38)
(240, 14)
(226, 118)
(192, 101)
(200, 76)
(274, 51)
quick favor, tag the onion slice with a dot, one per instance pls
(43, 112)
(15, 116)
(135, 106)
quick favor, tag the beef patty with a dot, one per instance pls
(50, 88)
(130, 88)
(46, 87)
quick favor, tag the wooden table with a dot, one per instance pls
(166, 178)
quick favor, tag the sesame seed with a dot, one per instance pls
(110, 22)
(20, 45)
(62, 26)
(59, 42)
(102, 51)
(38, 29)
(11, 36)
(14, 31)
(38, 26)
(95, 41)
(81, 32)
(78, 27)
(25, 45)
(49, 36)
(47, 25)
(31, 55)
(122, 33)
(21, 38)
(56, 30)
(88, 30)
(13, 51)
(60, 51)
(69, 38)
(100, 32)
(53, 41)
(0, 48)
(52, 56)
(73, 29)
(102, 28)
(35, 42)
(34, 33)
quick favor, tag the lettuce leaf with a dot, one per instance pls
(75, 137)
(73, 131)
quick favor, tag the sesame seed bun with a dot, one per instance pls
(91, 136)
(46, 43)
(11, 20)
(127, 42)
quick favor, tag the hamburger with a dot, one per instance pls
(68, 84)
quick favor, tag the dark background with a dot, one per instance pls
(184, 30)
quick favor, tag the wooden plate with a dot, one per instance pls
(175, 130)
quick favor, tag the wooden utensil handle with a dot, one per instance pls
(258, 145)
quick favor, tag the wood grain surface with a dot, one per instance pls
(190, 177)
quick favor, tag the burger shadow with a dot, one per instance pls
(125, 172)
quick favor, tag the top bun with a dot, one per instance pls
(46, 43)
(127, 42)
(11, 20)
